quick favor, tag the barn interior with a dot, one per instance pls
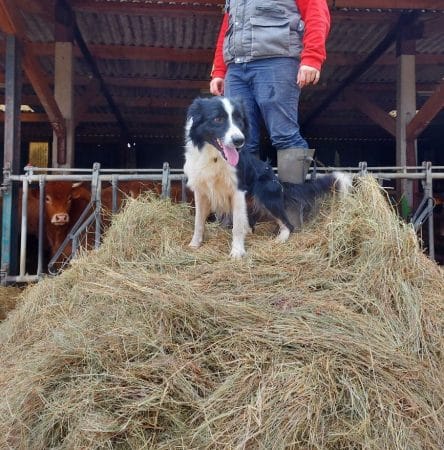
(113, 73)
(107, 81)
(332, 341)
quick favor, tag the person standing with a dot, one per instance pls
(265, 53)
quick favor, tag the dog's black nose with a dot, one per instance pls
(238, 141)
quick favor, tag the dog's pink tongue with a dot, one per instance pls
(231, 154)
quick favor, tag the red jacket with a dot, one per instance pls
(316, 16)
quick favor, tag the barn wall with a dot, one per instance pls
(152, 153)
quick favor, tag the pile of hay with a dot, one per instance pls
(9, 296)
(331, 341)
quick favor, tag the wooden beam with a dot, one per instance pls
(44, 8)
(28, 117)
(353, 16)
(38, 80)
(174, 119)
(434, 26)
(406, 153)
(11, 156)
(147, 103)
(93, 67)
(15, 25)
(371, 110)
(390, 4)
(426, 114)
(89, 98)
(107, 118)
(363, 66)
(142, 118)
(151, 102)
(158, 83)
(208, 7)
(128, 52)
(64, 62)
(5, 23)
(197, 85)
(205, 56)
(204, 9)
(388, 59)
(152, 53)
(424, 89)
(92, 98)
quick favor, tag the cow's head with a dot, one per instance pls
(59, 196)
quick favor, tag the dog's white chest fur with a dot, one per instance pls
(209, 173)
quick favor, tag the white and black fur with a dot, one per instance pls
(221, 175)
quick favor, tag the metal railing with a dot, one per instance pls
(92, 217)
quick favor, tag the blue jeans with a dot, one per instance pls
(269, 91)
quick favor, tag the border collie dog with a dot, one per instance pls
(221, 175)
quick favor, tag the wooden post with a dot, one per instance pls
(64, 85)
(11, 159)
(406, 151)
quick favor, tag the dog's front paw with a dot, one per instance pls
(195, 243)
(283, 235)
(237, 253)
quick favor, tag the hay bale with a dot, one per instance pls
(9, 296)
(333, 340)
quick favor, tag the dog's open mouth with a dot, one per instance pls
(230, 153)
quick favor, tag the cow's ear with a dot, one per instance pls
(79, 191)
(34, 192)
(75, 191)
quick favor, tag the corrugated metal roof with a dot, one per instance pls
(354, 35)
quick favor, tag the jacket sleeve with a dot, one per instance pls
(219, 68)
(316, 16)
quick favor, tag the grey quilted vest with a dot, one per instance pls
(260, 29)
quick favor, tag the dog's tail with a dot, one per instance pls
(342, 182)
(305, 194)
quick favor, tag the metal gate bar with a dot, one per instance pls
(425, 173)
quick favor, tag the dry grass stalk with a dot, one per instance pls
(331, 341)
(9, 296)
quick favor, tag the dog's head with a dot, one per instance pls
(218, 121)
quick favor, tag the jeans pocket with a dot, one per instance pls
(270, 37)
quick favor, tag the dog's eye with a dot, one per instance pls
(218, 119)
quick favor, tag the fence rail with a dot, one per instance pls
(14, 270)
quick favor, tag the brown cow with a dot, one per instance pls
(64, 203)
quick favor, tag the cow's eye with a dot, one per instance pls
(47, 199)
(218, 119)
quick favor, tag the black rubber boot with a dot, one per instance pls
(293, 164)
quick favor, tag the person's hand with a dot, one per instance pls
(307, 75)
(217, 86)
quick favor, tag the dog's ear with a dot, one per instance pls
(240, 106)
(195, 117)
(195, 110)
